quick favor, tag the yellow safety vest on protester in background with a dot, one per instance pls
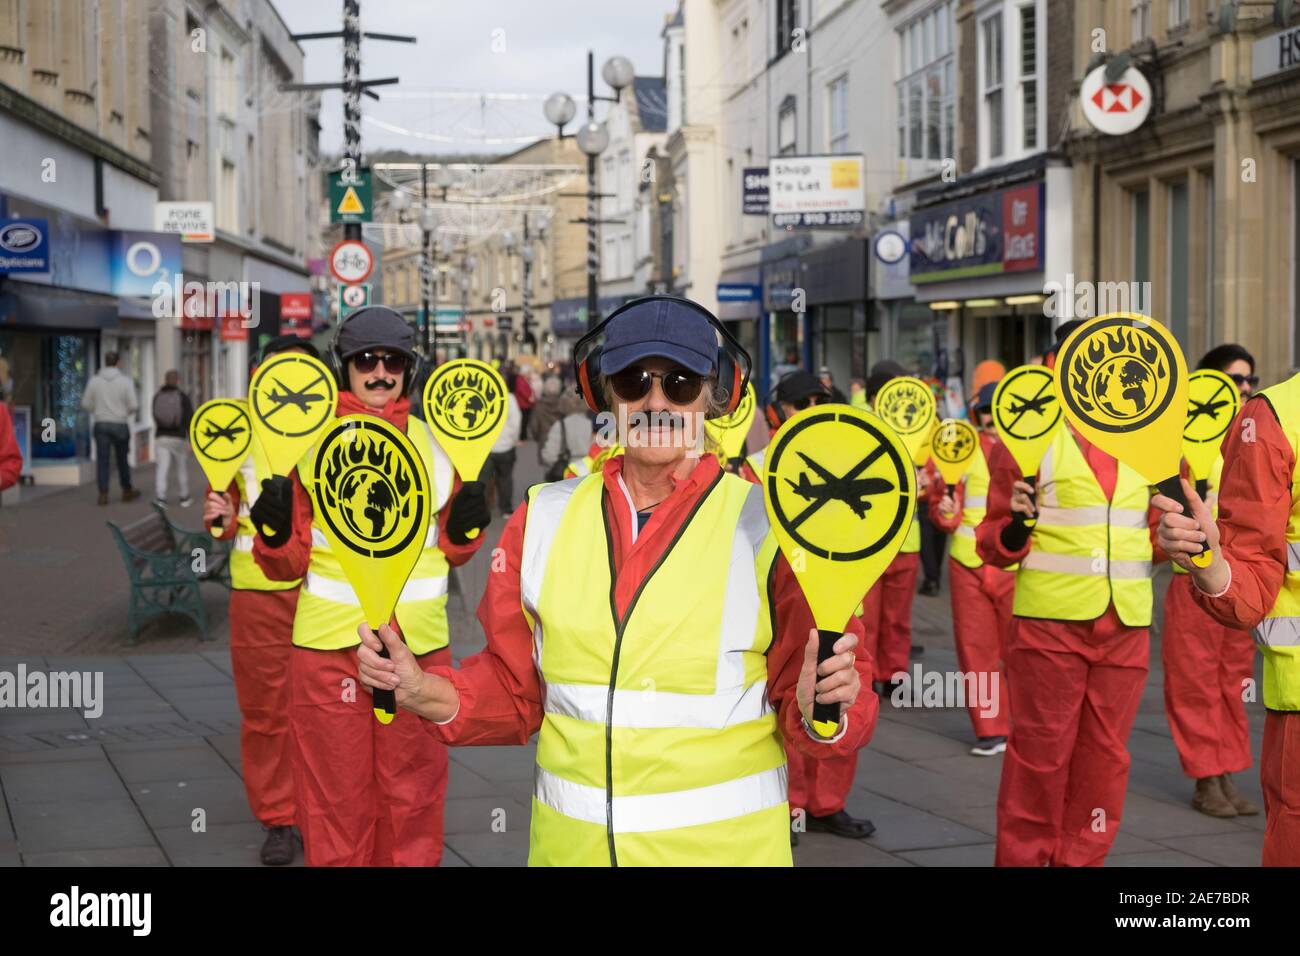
(328, 609)
(658, 745)
(245, 575)
(1278, 634)
(1086, 551)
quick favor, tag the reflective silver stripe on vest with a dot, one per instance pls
(1045, 489)
(243, 542)
(645, 709)
(340, 592)
(1127, 518)
(1078, 564)
(540, 526)
(976, 501)
(741, 601)
(1071, 517)
(1278, 632)
(965, 530)
(1293, 556)
(645, 813)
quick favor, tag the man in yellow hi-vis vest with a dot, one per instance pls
(261, 635)
(367, 794)
(1253, 582)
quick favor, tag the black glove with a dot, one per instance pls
(469, 510)
(1015, 533)
(272, 512)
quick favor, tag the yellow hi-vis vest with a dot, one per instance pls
(245, 575)
(756, 459)
(1278, 634)
(975, 503)
(1086, 551)
(329, 610)
(1211, 497)
(658, 744)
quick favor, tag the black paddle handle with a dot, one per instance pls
(825, 650)
(384, 698)
(1173, 488)
(1024, 520)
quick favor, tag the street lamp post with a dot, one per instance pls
(592, 138)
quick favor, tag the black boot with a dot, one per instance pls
(278, 850)
(840, 824)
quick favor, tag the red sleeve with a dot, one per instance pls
(1003, 473)
(785, 660)
(228, 531)
(457, 554)
(499, 687)
(934, 495)
(11, 457)
(1254, 508)
(289, 561)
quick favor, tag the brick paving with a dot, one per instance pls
(123, 788)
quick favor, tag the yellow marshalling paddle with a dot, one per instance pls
(1213, 402)
(290, 399)
(1122, 380)
(906, 405)
(221, 436)
(840, 491)
(1026, 414)
(953, 446)
(729, 431)
(465, 407)
(371, 492)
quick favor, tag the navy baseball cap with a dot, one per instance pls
(984, 401)
(376, 326)
(661, 328)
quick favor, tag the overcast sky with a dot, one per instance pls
(542, 48)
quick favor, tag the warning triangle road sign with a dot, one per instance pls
(351, 203)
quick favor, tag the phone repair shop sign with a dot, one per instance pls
(817, 192)
(754, 191)
(1279, 53)
(986, 234)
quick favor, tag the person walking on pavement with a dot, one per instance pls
(887, 608)
(172, 411)
(261, 638)
(110, 399)
(858, 394)
(828, 383)
(11, 456)
(1253, 582)
(818, 788)
(981, 593)
(526, 397)
(1208, 666)
(500, 464)
(546, 412)
(1077, 655)
(365, 794)
(646, 624)
(569, 434)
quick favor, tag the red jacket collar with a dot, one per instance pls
(395, 412)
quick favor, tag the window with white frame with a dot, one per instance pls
(837, 101)
(1180, 13)
(925, 87)
(1140, 19)
(786, 128)
(1029, 75)
(991, 77)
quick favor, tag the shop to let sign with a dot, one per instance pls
(816, 192)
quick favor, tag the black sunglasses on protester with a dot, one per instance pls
(681, 387)
(367, 362)
(1251, 380)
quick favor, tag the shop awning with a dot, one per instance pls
(32, 305)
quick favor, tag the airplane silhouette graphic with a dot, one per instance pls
(1021, 406)
(300, 399)
(850, 490)
(212, 432)
(1208, 407)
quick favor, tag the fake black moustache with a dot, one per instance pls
(376, 383)
(640, 420)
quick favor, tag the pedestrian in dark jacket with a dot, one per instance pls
(172, 411)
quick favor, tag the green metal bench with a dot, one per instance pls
(160, 560)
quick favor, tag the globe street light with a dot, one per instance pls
(592, 139)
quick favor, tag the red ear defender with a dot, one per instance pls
(584, 383)
(773, 416)
(737, 390)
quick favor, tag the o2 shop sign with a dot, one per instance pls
(987, 234)
(141, 260)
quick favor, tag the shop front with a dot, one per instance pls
(835, 285)
(981, 251)
(740, 307)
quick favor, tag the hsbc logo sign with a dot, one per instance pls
(1115, 108)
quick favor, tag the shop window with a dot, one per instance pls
(787, 128)
(787, 21)
(1140, 19)
(838, 109)
(1029, 75)
(991, 58)
(1179, 13)
(924, 87)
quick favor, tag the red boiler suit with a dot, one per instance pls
(981, 609)
(500, 690)
(368, 794)
(1254, 509)
(1074, 688)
